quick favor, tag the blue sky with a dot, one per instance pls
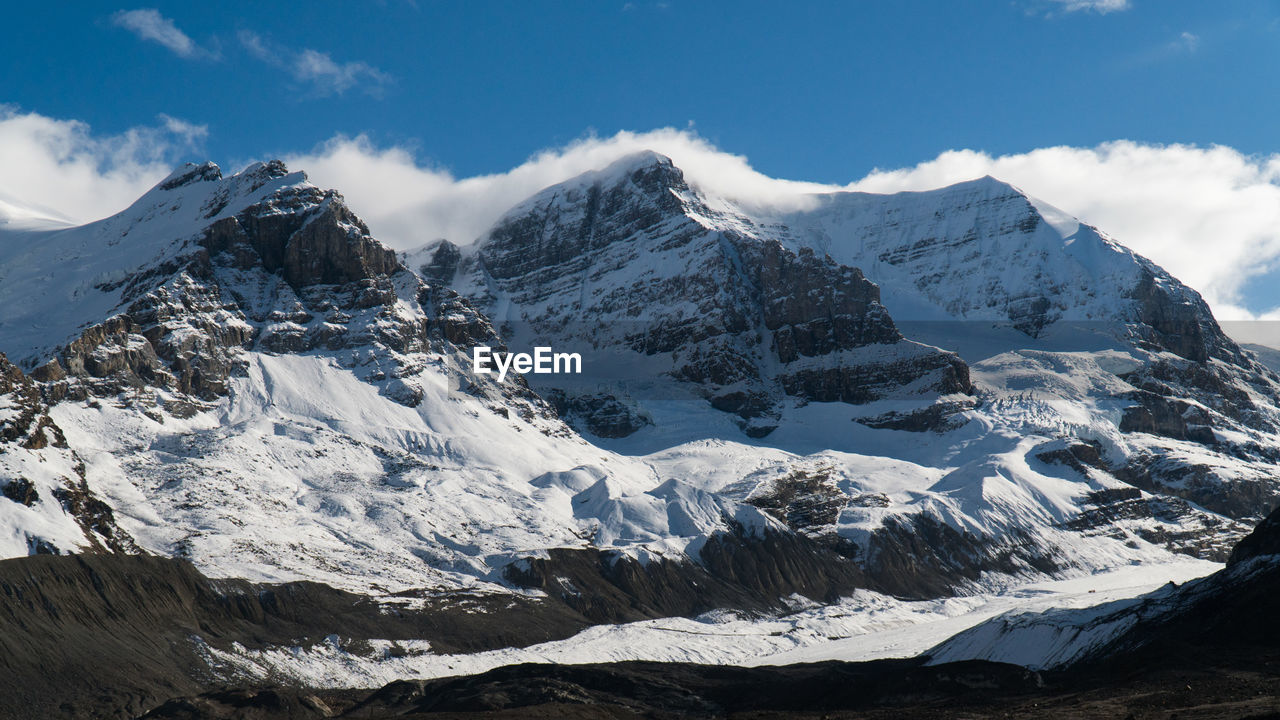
(822, 91)
(1151, 119)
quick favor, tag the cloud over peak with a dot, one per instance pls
(62, 167)
(1209, 215)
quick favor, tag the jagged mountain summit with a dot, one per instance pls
(631, 258)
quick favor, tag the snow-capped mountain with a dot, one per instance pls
(860, 410)
(854, 395)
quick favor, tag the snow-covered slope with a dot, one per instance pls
(15, 216)
(47, 504)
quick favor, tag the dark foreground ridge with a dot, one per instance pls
(878, 690)
(112, 636)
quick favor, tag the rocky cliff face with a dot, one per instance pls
(632, 256)
(984, 251)
(280, 266)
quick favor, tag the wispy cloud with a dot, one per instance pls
(148, 24)
(1098, 6)
(189, 134)
(1183, 45)
(1190, 42)
(318, 71)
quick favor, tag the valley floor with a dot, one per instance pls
(866, 626)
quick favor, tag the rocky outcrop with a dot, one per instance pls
(631, 256)
(921, 556)
(600, 414)
(807, 501)
(442, 263)
(1230, 409)
(1263, 541)
(731, 570)
(24, 422)
(1175, 318)
(42, 474)
(295, 271)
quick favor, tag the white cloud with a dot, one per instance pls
(1211, 216)
(62, 169)
(1099, 6)
(317, 70)
(149, 24)
(1187, 41)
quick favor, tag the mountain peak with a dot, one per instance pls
(638, 160)
(191, 173)
(268, 170)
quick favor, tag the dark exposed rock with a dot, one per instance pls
(192, 173)
(1178, 320)
(1224, 389)
(441, 268)
(95, 517)
(921, 556)
(21, 490)
(112, 636)
(1180, 527)
(1170, 418)
(813, 306)
(807, 501)
(308, 236)
(600, 414)
(26, 423)
(1242, 499)
(1264, 540)
(939, 418)
(1077, 455)
(735, 570)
